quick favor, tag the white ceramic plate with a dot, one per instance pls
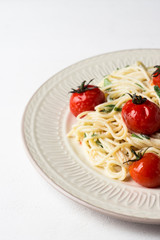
(46, 122)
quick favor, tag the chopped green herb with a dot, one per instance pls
(99, 143)
(141, 136)
(157, 90)
(93, 135)
(111, 105)
(145, 136)
(139, 85)
(106, 82)
(108, 89)
(85, 135)
(117, 69)
(108, 108)
(126, 66)
(117, 109)
(136, 136)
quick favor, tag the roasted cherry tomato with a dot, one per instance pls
(156, 76)
(85, 98)
(146, 171)
(141, 115)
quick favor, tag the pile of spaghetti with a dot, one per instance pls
(104, 135)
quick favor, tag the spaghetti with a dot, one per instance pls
(102, 132)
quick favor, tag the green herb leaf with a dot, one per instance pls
(145, 136)
(157, 90)
(108, 89)
(136, 136)
(126, 66)
(108, 108)
(85, 135)
(117, 109)
(93, 135)
(110, 105)
(142, 136)
(139, 85)
(117, 69)
(99, 143)
(106, 82)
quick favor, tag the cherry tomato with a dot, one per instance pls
(85, 98)
(141, 115)
(156, 81)
(156, 76)
(146, 171)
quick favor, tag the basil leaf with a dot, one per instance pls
(139, 85)
(145, 136)
(99, 143)
(136, 136)
(157, 90)
(93, 135)
(117, 109)
(108, 108)
(108, 89)
(142, 136)
(111, 105)
(106, 82)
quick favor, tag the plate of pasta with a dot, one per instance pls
(93, 157)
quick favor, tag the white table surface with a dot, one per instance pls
(37, 39)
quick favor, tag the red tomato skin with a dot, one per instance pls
(146, 171)
(156, 80)
(141, 118)
(86, 101)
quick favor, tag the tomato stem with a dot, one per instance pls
(138, 155)
(157, 72)
(137, 99)
(83, 87)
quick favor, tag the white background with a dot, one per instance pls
(37, 39)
